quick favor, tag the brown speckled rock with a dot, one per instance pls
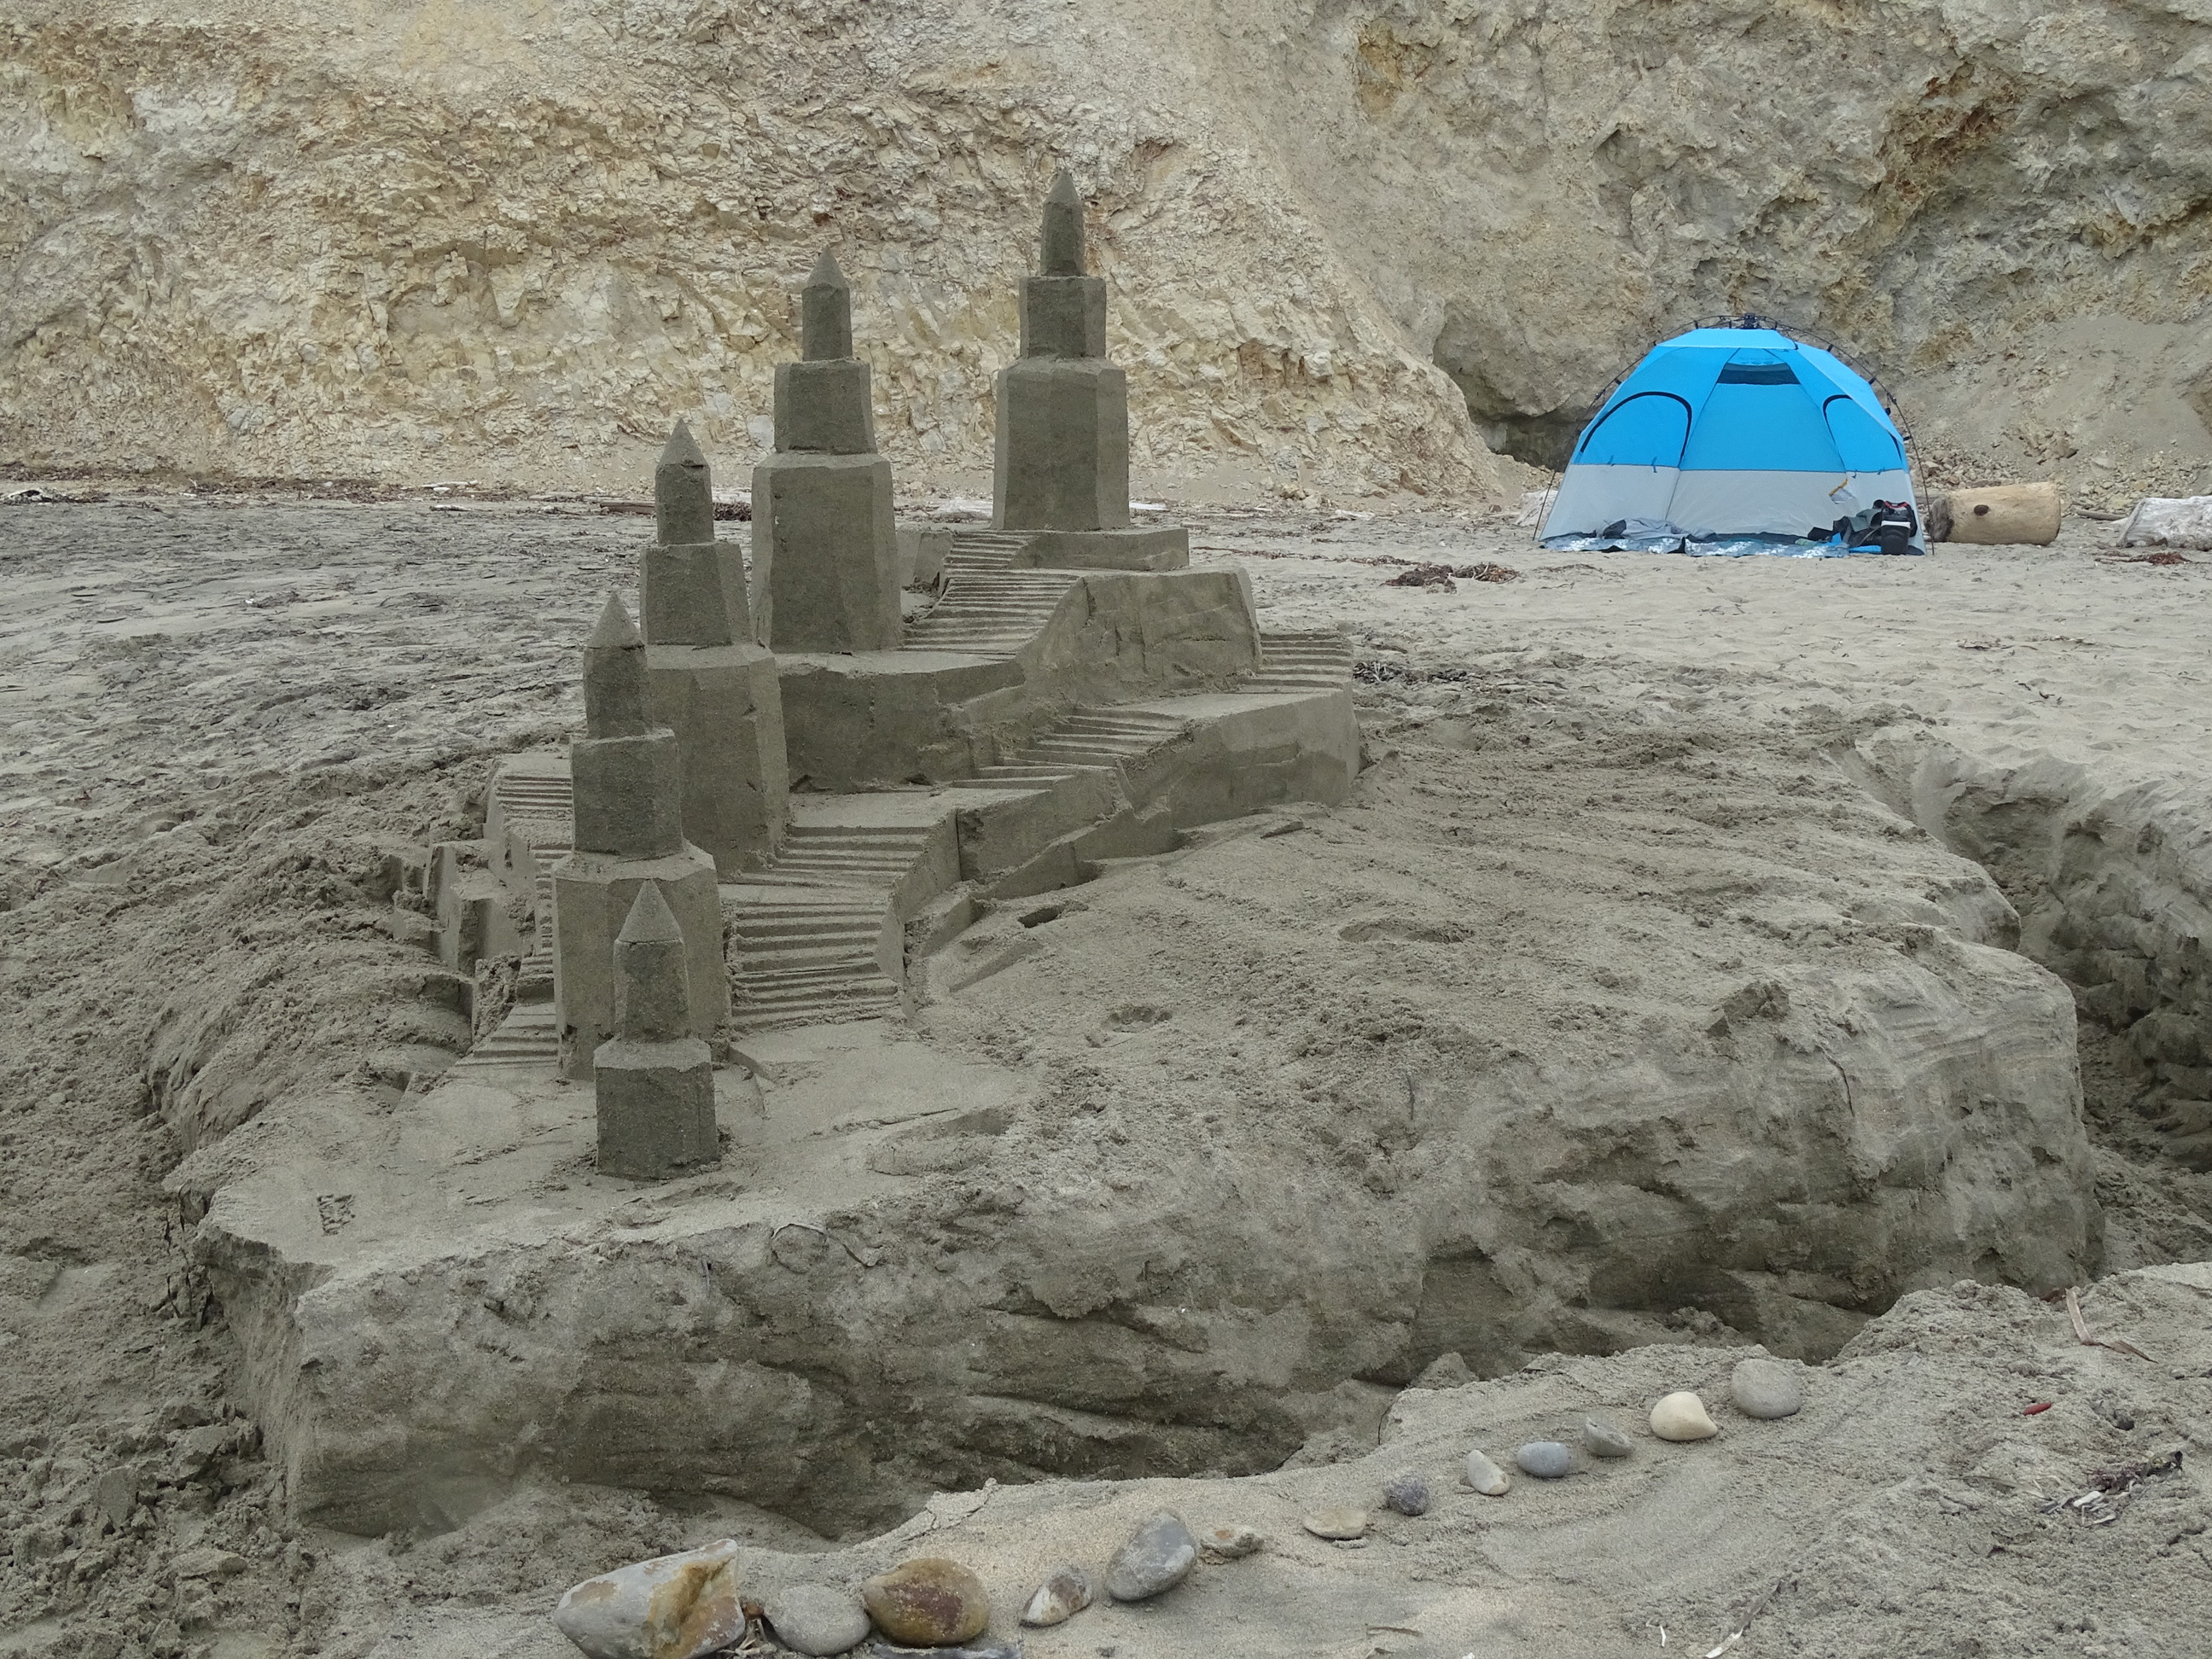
(927, 1603)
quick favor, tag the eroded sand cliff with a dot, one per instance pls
(506, 241)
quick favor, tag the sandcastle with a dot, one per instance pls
(669, 911)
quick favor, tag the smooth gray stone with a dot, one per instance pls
(1765, 1389)
(1601, 1437)
(1407, 1493)
(1548, 1460)
(1159, 1556)
(815, 1619)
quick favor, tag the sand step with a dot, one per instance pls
(988, 609)
(807, 955)
(529, 1036)
(1301, 659)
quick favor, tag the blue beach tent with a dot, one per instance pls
(1728, 433)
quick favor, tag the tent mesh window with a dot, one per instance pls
(1757, 375)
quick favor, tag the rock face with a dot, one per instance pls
(565, 235)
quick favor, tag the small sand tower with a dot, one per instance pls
(1062, 458)
(628, 775)
(711, 684)
(825, 568)
(654, 1079)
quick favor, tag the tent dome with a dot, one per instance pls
(1732, 432)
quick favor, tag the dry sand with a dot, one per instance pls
(223, 718)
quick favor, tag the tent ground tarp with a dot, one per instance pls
(1718, 547)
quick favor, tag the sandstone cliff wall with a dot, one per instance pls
(511, 240)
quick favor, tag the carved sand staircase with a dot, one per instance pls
(989, 608)
(530, 1034)
(1301, 659)
(807, 955)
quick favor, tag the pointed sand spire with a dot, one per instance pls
(1062, 253)
(653, 990)
(826, 312)
(614, 676)
(683, 492)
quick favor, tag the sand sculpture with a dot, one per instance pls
(654, 1079)
(1062, 456)
(710, 683)
(825, 575)
(628, 786)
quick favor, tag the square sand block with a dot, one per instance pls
(725, 706)
(1063, 446)
(656, 1108)
(694, 595)
(592, 896)
(1154, 547)
(825, 407)
(1063, 317)
(629, 794)
(864, 719)
(825, 554)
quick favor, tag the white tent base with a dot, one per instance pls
(1592, 496)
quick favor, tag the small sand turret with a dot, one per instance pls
(1062, 465)
(825, 313)
(654, 1079)
(712, 686)
(825, 572)
(628, 788)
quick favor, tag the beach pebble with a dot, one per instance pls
(1407, 1493)
(1601, 1437)
(1337, 1523)
(927, 1602)
(674, 1606)
(1159, 1556)
(816, 1619)
(1230, 1543)
(1059, 1598)
(1682, 1417)
(1548, 1460)
(1765, 1389)
(1485, 1477)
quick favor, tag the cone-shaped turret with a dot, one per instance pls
(683, 492)
(614, 676)
(653, 990)
(1063, 252)
(825, 314)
